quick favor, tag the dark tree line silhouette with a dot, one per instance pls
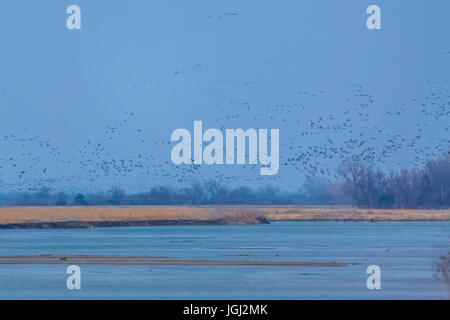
(369, 187)
(359, 183)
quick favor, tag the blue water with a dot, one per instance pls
(406, 252)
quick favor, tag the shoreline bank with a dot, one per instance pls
(101, 217)
(148, 260)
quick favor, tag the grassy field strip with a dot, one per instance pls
(216, 214)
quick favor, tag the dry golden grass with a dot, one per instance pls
(350, 213)
(229, 214)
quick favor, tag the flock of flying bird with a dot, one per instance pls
(313, 139)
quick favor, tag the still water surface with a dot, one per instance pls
(405, 251)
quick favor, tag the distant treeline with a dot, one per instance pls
(359, 183)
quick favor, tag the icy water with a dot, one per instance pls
(406, 252)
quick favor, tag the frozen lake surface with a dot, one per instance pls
(406, 252)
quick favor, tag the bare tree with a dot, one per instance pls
(213, 191)
(316, 189)
(268, 195)
(358, 176)
(116, 196)
(437, 178)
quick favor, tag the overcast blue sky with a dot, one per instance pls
(91, 108)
